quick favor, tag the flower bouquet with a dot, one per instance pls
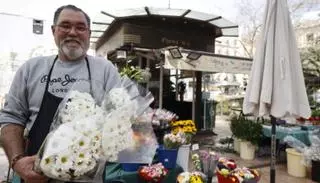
(72, 149)
(206, 162)
(90, 129)
(153, 173)
(160, 119)
(186, 126)
(191, 177)
(167, 154)
(173, 141)
(228, 172)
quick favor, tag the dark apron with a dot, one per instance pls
(48, 108)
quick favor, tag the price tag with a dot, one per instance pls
(195, 147)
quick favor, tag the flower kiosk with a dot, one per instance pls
(162, 42)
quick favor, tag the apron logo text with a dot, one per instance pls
(64, 81)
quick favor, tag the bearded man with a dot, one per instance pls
(40, 85)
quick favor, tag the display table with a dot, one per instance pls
(282, 132)
(114, 173)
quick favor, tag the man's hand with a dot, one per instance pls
(24, 168)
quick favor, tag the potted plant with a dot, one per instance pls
(235, 127)
(250, 133)
(135, 73)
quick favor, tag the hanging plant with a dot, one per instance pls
(136, 73)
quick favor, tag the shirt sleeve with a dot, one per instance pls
(16, 108)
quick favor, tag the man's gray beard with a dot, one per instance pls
(72, 54)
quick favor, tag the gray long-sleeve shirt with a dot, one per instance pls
(23, 101)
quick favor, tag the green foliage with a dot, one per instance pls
(246, 129)
(235, 126)
(315, 113)
(310, 59)
(132, 72)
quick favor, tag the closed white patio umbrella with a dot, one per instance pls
(276, 85)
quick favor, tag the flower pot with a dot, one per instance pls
(183, 156)
(168, 157)
(294, 163)
(247, 150)
(236, 145)
(315, 171)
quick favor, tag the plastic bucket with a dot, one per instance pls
(168, 157)
(183, 156)
(315, 171)
(236, 145)
(130, 167)
(294, 163)
(247, 150)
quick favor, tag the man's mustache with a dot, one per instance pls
(68, 40)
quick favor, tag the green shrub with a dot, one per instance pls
(246, 129)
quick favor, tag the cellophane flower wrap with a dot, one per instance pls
(128, 137)
(309, 152)
(205, 161)
(72, 149)
(91, 127)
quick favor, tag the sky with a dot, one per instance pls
(16, 31)
(17, 34)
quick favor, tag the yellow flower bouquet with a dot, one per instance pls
(185, 126)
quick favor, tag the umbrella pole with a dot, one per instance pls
(273, 119)
(273, 150)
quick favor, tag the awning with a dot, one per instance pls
(209, 63)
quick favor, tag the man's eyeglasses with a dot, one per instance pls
(66, 28)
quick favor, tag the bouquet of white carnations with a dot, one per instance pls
(90, 129)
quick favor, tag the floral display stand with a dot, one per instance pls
(113, 172)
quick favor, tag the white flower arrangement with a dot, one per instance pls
(78, 105)
(84, 135)
(70, 153)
